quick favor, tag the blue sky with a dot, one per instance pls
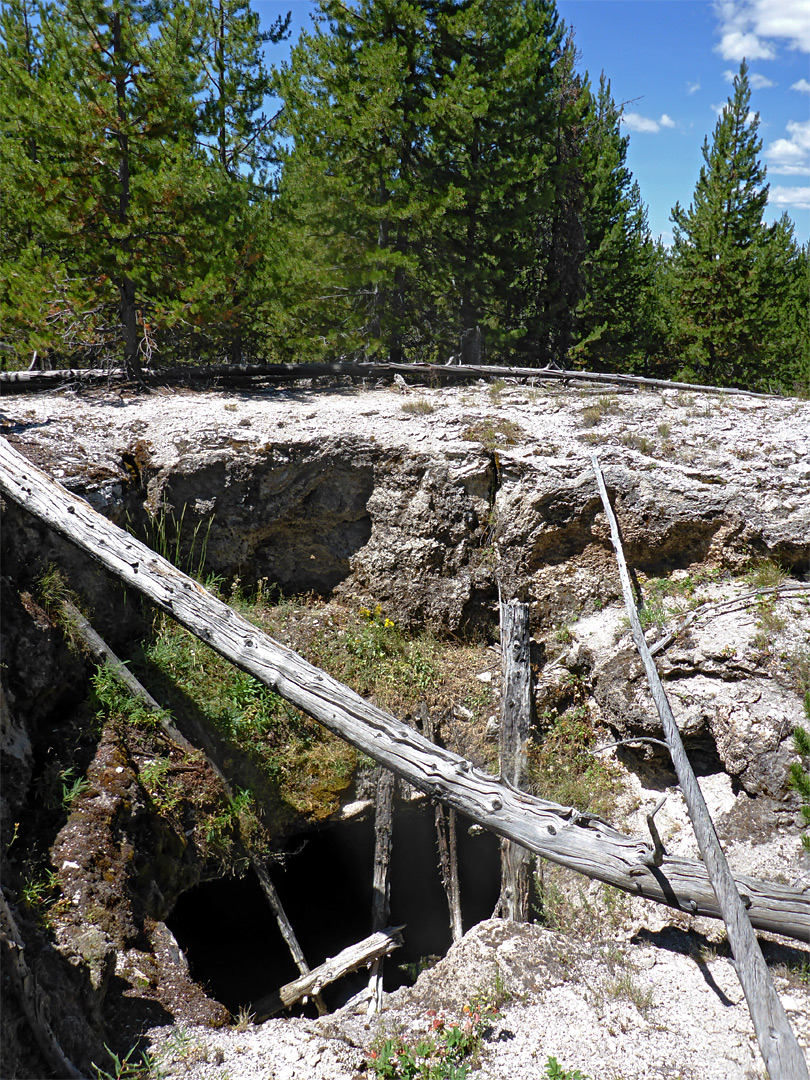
(671, 62)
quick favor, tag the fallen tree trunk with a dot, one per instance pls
(780, 1049)
(367, 951)
(582, 842)
(26, 381)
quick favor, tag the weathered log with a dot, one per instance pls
(516, 711)
(101, 652)
(364, 952)
(448, 864)
(582, 842)
(31, 997)
(381, 884)
(22, 381)
(780, 1049)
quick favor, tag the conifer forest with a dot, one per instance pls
(420, 179)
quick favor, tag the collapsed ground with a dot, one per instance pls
(406, 508)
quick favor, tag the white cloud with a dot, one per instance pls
(636, 122)
(746, 25)
(791, 157)
(797, 198)
(646, 124)
(802, 85)
(692, 87)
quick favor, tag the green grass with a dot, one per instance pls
(766, 574)
(493, 433)
(799, 776)
(309, 766)
(562, 768)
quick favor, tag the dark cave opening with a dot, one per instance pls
(236, 951)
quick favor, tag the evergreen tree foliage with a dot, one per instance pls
(132, 228)
(354, 96)
(616, 320)
(738, 283)
(440, 179)
(234, 83)
(556, 280)
(491, 157)
(420, 163)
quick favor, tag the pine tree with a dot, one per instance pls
(782, 279)
(555, 284)
(421, 138)
(494, 122)
(717, 243)
(615, 320)
(350, 197)
(235, 82)
(116, 181)
(134, 218)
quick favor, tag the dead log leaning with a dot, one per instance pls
(369, 949)
(582, 842)
(780, 1049)
(100, 651)
(516, 705)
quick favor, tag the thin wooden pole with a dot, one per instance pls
(780, 1049)
(445, 819)
(370, 949)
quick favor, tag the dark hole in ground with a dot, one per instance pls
(236, 950)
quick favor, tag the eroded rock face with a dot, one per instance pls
(424, 512)
(294, 514)
(733, 684)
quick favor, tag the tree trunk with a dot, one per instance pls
(780, 1049)
(31, 381)
(582, 842)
